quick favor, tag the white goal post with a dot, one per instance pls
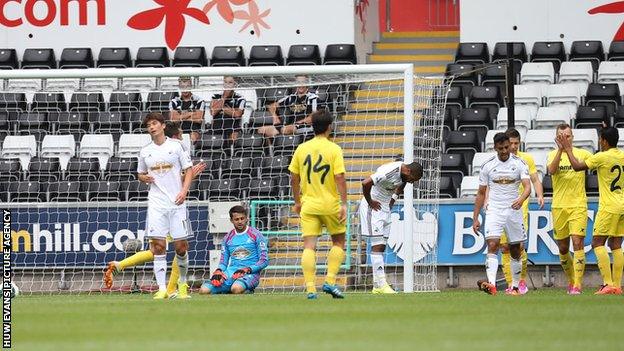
(369, 89)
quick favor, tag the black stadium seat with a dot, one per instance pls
(590, 116)
(87, 102)
(238, 167)
(303, 55)
(519, 55)
(152, 57)
(190, 56)
(472, 53)
(591, 185)
(25, 191)
(114, 57)
(102, 191)
(464, 142)
(125, 101)
(159, 100)
(119, 169)
(477, 119)
(8, 59)
(134, 191)
(266, 55)
(76, 58)
(82, 169)
(107, 121)
(465, 75)
(340, 54)
(224, 189)
(447, 188)
(608, 95)
(227, 56)
(261, 188)
(271, 166)
(64, 191)
(44, 169)
(453, 165)
(587, 50)
(495, 76)
(618, 119)
(249, 145)
(616, 51)
(13, 102)
(549, 51)
(31, 121)
(547, 185)
(63, 122)
(10, 170)
(286, 143)
(47, 102)
(39, 58)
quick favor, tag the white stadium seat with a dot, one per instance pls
(63, 84)
(469, 187)
(138, 83)
(523, 116)
(97, 145)
(100, 84)
(62, 147)
(22, 147)
(24, 84)
(528, 95)
(479, 159)
(580, 73)
(131, 144)
(539, 140)
(586, 139)
(537, 73)
(611, 72)
(540, 158)
(550, 117)
(563, 94)
(186, 143)
(621, 141)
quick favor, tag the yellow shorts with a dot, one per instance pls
(525, 218)
(609, 224)
(312, 224)
(568, 221)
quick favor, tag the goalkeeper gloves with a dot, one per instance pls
(218, 278)
(241, 273)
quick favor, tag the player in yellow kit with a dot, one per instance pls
(514, 140)
(609, 223)
(569, 209)
(320, 191)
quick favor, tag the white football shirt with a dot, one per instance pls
(504, 180)
(385, 181)
(165, 163)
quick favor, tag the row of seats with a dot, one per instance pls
(542, 51)
(132, 190)
(187, 56)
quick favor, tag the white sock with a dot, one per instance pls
(183, 266)
(379, 274)
(160, 271)
(516, 269)
(491, 267)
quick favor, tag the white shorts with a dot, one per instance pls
(374, 224)
(162, 222)
(508, 220)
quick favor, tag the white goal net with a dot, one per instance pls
(69, 155)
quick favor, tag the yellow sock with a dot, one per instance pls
(604, 263)
(136, 259)
(172, 286)
(308, 264)
(525, 259)
(567, 265)
(334, 259)
(618, 265)
(579, 268)
(506, 261)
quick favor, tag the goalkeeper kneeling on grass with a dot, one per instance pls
(244, 254)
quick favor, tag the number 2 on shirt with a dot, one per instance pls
(619, 170)
(318, 168)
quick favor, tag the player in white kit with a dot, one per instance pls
(160, 164)
(381, 190)
(502, 174)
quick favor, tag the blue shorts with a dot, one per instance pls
(249, 281)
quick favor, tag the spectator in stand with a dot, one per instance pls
(227, 110)
(298, 109)
(188, 109)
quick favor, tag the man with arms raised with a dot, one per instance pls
(569, 209)
(381, 190)
(609, 223)
(502, 174)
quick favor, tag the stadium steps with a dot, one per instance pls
(295, 282)
(375, 152)
(367, 142)
(429, 51)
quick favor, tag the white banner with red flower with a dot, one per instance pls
(135, 23)
(529, 21)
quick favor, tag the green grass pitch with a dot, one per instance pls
(450, 320)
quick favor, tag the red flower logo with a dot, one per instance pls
(614, 7)
(224, 8)
(172, 12)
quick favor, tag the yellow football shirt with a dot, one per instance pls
(317, 162)
(528, 159)
(568, 185)
(610, 167)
